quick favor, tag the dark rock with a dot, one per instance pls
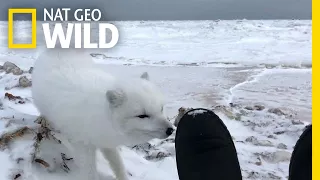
(272, 137)
(30, 70)
(97, 55)
(232, 105)
(279, 132)
(146, 147)
(259, 107)
(158, 156)
(276, 111)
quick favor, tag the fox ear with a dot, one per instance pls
(145, 76)
(116, 97)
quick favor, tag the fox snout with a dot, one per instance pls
(169, 128)
(169, 131)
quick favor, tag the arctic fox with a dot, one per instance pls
(95, 110)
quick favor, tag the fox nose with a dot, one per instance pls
(169, 131)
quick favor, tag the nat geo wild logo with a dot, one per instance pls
(77, 30)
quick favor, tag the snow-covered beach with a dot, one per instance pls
(255, 74)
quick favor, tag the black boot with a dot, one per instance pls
(301, 161)
(204, 148)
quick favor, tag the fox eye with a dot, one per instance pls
(143, 116)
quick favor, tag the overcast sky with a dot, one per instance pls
(175, 9)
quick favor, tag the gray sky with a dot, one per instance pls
(175, 9)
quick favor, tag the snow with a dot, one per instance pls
(196, 112)
(228, 66)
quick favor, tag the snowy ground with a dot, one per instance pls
(263, 68)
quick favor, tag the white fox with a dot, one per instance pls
(95, 110)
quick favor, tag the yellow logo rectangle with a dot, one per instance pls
(33, 13)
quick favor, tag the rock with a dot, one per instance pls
(253, 140)
(1, 67)
(181, 112)
(8, 70)
(232, 105)
(282, 146)
(238, 117)
(269, 66)
(243, 112)
(276, 157)
(272, 137)
(276, 111)
(9, 66)
(265, 143)
(297, 122)
(259, 162)
(146, 147)
(255, 107)
(24, 82)
(279, 132)
(16, 99)
(97, 55)
(157, 156)
(168, 140)
(228, 113)
(30, 70)
(225, 110)
(253, 175)
(248, 108)
(17, 71)
(262, 176)
(272, 176)
(259, 107)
